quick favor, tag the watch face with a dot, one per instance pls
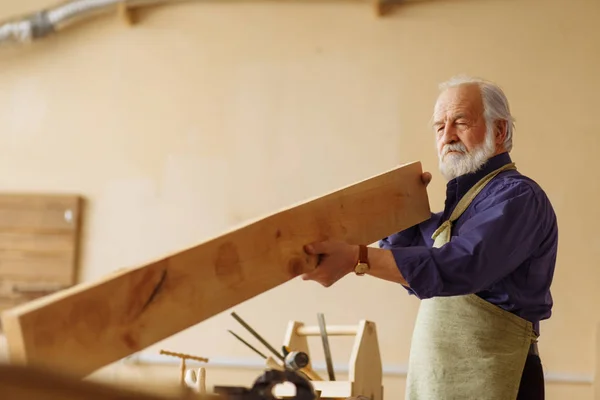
(361, 268)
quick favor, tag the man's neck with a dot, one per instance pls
(456, 188)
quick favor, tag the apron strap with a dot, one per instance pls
(442, 234)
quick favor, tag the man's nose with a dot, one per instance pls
(449, 135)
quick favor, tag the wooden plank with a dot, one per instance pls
(14, 293)
(39, 244)
(94, 324)
(26, 241)
(32, 212)
(8, 302)
(34, 265)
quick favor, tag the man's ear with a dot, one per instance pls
(500, 130)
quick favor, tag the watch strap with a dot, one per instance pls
(363, 260)
(363, 254)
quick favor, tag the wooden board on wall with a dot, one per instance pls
(39, 245)
(93, 324)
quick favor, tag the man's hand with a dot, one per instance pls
(337, 259)
(426, 178)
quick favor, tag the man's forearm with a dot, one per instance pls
(383, 266)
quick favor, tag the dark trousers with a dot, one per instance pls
(532, 380)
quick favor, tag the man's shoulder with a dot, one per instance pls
(513, 186)
(514, 183)
(516, 195)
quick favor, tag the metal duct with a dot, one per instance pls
(43, 23)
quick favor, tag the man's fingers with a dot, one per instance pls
(426, 178)
(316, 248)
(322, 280)
(310, 276)
(315, 276)
(320, 275)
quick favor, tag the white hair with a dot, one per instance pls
(495, 104)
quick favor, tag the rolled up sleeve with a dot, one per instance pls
(504, 232)
(406, 238)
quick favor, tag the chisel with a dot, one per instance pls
(327, 350)
(257, 336)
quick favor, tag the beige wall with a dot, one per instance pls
(206, 115)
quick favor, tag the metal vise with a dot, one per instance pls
(264, 384)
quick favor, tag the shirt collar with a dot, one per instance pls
(459, 186)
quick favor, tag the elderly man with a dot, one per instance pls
(482, 267)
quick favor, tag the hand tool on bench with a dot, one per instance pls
(326, 349)
(247, 344)
(269, 361)
(183, 357)
(299, 361)
(257, 336)
(264, 384)
(294, 360)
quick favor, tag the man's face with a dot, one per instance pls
(463, 142)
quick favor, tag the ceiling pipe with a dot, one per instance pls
(40, 24)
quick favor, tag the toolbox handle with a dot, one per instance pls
(332, 330)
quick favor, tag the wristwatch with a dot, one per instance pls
(362, 266)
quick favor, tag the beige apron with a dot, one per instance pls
(464, 347)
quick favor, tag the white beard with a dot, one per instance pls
(456, 164)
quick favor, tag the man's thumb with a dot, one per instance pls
(316, 248)
(426, 178)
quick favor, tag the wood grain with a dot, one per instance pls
(39, 245)
(94, 324)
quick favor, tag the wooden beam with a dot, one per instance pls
(385, 7)
(30, 383)
(125, 13)
(378, 7)
(88, 326)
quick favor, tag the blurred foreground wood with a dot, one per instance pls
(30, 383)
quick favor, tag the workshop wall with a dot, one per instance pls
(205, 115)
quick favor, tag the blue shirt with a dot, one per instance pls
(503, 248)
